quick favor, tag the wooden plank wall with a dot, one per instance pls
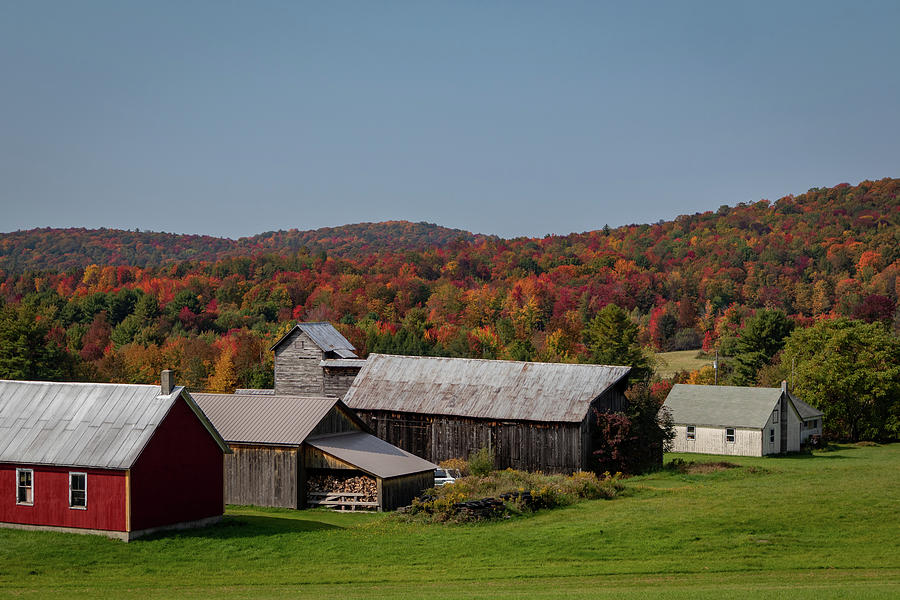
(297, 369)
(400, 491)
(612, 400)
(335, 422)
(338, 380)
(313, 458)
(262, 476)
(549, 447)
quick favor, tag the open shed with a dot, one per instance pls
(291, 451)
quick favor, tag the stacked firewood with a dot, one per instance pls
(331, 484)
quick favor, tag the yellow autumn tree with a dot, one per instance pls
(223, 378)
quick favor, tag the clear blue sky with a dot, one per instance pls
(511, 118)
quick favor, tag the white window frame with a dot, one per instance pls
(30, 487)
(690, 433)
(727, 435)
(775, 416)
(71, 505)
(771, 435)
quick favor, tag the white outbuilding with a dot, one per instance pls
(740, 421)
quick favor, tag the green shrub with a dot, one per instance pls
(481, 462)
(529, 491)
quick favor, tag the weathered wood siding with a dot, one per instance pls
(336, 421)
(262, 476)
(297, 369)
(400, 491)
(612, 400)
(337, 380)
(711, 440)
(313, 458)
(550, 447)
(808, 429)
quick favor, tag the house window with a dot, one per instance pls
(775, 416)
(815, 423)
(77, 490)
(24, 486)
(772, 435)
(691, 432)
(729, 435)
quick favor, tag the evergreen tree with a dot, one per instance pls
(611, 338)
(25, 351)
(762, 337)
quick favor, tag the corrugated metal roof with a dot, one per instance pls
(100, 425)
(325, 336)
(721, 405)
(491, 389)
(806, 411)
(371, 454)
(254, 392)
(282, 420)
(343, 362)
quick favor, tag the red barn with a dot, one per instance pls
(114, 459)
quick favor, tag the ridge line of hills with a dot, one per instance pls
(853, 209)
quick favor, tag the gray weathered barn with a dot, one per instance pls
(533, 416)
(740, 421)
(279, 443)
(314, 359)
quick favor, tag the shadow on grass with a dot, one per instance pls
(245, 526)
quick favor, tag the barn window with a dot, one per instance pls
(729, 435)
(77, 490)
(691, 432)
(24, 486)
(775, 416)
(772, 435)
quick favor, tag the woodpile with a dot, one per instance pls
(331, 484)
(486, 508)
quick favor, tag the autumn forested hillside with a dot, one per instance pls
(121, 305)
(62, 249)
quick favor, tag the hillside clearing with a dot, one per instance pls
(806, 526)
(670, 363)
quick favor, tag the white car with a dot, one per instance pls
(445, 476)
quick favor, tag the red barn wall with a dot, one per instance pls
(105, 498)
(179, 475)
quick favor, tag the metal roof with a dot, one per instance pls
(721, 405)
(325, 336)
(99, 425)
(343, 363)
(254, 391)
(371, 454)
(490, 389)
(281, 420)
(805, 410)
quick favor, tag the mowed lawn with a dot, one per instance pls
(821, 526)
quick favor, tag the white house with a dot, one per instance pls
(740, 421)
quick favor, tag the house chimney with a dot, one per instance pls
(167, 381)
(784, 386)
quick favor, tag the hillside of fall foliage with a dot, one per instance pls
(120, 306)
(63, 249)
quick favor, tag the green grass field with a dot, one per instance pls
(669, 363)
(796, 527)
